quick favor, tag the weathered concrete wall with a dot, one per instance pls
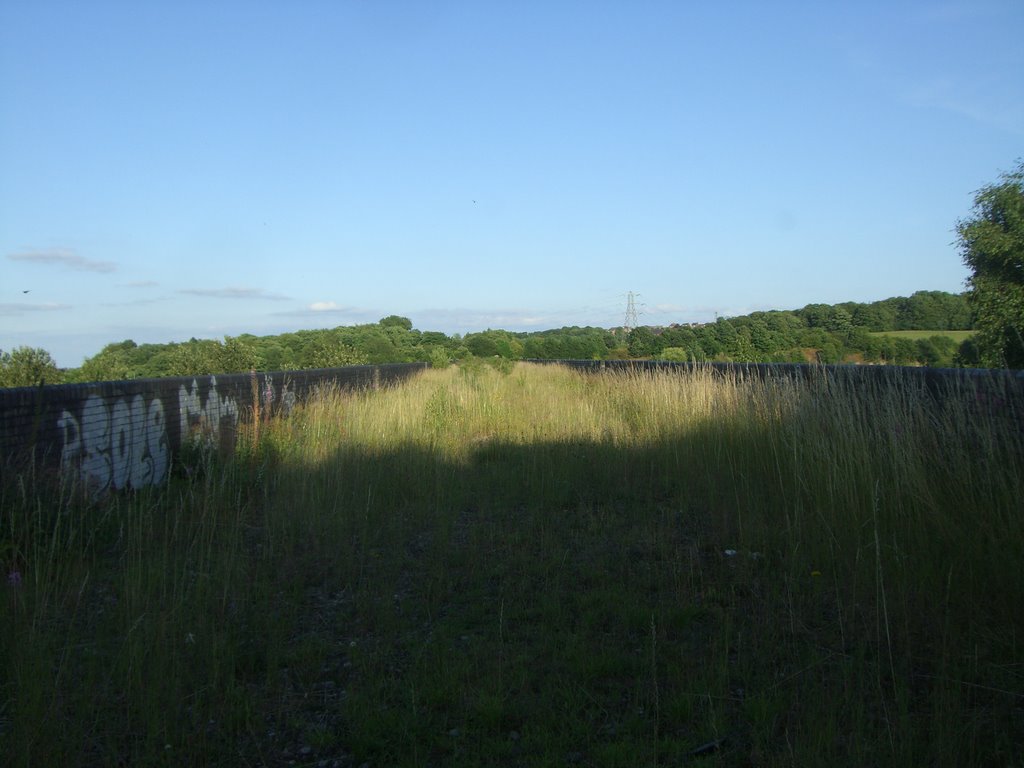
(124, 434)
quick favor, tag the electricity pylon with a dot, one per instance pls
(631, 321)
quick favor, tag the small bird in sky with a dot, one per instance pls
(24, 291)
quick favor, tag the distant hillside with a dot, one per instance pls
(845, 332)
(927, 328)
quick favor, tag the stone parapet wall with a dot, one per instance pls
(124, 434)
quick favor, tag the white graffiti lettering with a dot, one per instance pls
(203, 421)
(116, 445)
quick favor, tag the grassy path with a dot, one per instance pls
(537, 567)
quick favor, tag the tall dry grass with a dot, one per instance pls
(619, 568)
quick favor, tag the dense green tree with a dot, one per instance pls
(535, 348)
(434, 339)
(397, 321)
(840, 322)
(763, 340)
(573, 343)
(112, 363)
(510, 348)
(920, 312)
(874, 317)
(934, 311)
(401, 343)
(816, 315)
(238, 355)
(936, 351)
(276, 356)
(728, 340)
(482, 344)
(157, 363)
(642, 342)
(744, 347)
(992, 247)
(967, 355)
(494, 343)
(675, 354)
(822, 346)
(957, 311)
(859, 339)
(786, 328)
(27, 367)
(677, 336)
(327, 350)
(373, 342)
(439, 358)
(905, 352)
(196, 357)
(869, 346)
(707, 340)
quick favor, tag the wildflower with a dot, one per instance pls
(815, 573)
(14, 579)
(190, 639)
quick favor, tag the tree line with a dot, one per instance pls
(991, 244)
(848, 332)
(819, 332)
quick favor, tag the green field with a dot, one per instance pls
(536, 567)
(957, 336)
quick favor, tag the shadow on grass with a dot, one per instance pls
(580, 603)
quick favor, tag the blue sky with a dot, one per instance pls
(186, 168)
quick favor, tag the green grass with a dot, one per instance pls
(957, 336)
(530, 568)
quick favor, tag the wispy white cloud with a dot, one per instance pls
(471, 320)
(333, 310)
(234, 293)
(464, 320)
(448, 320)
(13, 309)
(64, 258)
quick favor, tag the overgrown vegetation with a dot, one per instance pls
(821, 333)
(532, 566)
(824, 333)
(992, 246)
(28, 367)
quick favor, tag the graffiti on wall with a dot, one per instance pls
(282, 406)
(116, 443)
(206, 422)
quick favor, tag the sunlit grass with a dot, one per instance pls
(957, 336)
(538, 566)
